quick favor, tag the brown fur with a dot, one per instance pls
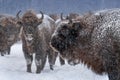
(30, 18)
(92, 61)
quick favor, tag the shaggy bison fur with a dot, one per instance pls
(94, 40)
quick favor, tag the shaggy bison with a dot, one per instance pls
(94, 40)
(36, 34)
(11, 30)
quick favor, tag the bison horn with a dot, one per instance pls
(70, 20)
(61, 17)
(42, 15)
(67, 17)
(17, 15)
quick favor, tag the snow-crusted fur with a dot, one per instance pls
(95, 40)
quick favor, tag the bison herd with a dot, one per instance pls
(92, 38)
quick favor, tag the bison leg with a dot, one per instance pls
(111, 68)
(29, 59)
(9, 48)
(38, 62)
(110, 63)
(51, 58)
(62, 62)
(44, 61)
(2, 53)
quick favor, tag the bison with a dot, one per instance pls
(11, 30)
(93, 40)
(36, 34)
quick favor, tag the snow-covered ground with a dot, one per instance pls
(13, 67)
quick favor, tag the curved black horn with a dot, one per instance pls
(67, 17)
(42, 15)
(17, 15)
(61, 16)
(70, 20)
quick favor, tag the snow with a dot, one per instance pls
(13, 67)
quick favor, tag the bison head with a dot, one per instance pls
(29, 23)
(65, 37)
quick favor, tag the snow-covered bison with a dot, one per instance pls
(11, 30)
(37, 30)
(94, 40)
